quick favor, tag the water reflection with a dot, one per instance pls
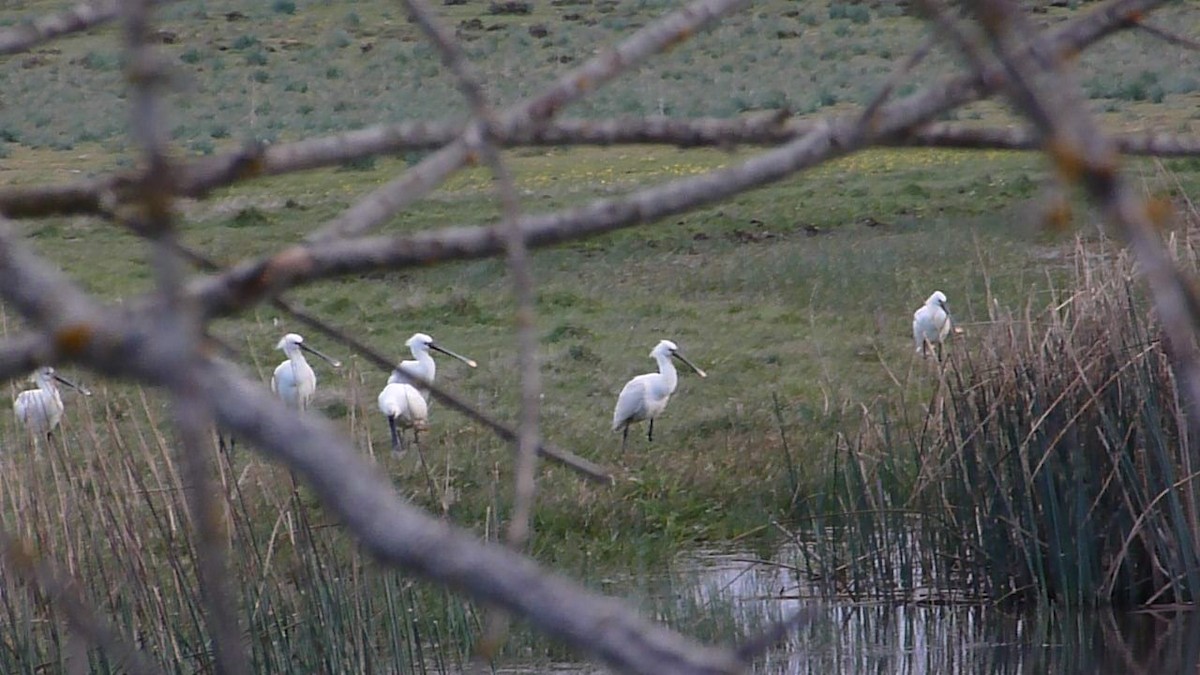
(915, 639)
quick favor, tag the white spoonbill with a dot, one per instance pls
(40, 410)
(645, 396)
(294, 380)
(931, 324)
(421, 366)
(404, 408)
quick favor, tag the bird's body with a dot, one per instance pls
(294, 380)
(931, 324)
(421, 367)
(40, 410)
(404, 408)
(645, 397)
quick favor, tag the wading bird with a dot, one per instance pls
(931, 324)
(39, 410)
(645, 396)
(294, 380)
(421, 366)
(404, 408)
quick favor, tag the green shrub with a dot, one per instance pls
(245, 41)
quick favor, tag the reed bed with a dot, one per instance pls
(1052, 462)
(103, 503)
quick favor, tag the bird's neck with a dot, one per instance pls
(667, 369)
(425, 364)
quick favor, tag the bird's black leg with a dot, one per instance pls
(624, 439)
(397, 441)
(650, 434)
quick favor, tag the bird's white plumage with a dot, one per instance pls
(646, 396)
(643, 397)
(421, 366)
(40, 410)
(931, 323)
(405, 408)
(294, 380)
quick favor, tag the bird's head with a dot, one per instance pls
(664, 348)
(419, 341)
(938, 299)
(668, 348)
(289, 340)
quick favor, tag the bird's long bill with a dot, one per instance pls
(447, 352)
(76, 387)
(691, 365)
(332, 361)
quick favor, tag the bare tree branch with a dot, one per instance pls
(23, 353)
(570, 460)
(100, 196)
(403, 535)
(151, 339)
(666, 32)
(1169, 37)
(81, 17)
(250, 282)
(179, 323)
(1045, 90)
(396, 532)
(482, 140)
(901, 71)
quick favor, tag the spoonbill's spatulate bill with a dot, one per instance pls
(931, 324)
(40, 410)
(646, 396)
(294, 380)
(421, 367)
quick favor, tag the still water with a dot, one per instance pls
(732, 592)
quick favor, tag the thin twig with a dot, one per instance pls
(81, 17)
(482, 140)
(566, 458)
(660, 35)
(101, 196)
(1045, 90)
(1168, 36)
(402, 535)
(180, 324)
(901, 71)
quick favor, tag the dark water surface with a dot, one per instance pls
(915, 638)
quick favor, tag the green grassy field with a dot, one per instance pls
(818, 322)
(796, 298)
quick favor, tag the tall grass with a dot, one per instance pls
(1053, 462)
(103, 501)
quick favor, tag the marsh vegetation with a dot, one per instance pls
(1046, 461)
